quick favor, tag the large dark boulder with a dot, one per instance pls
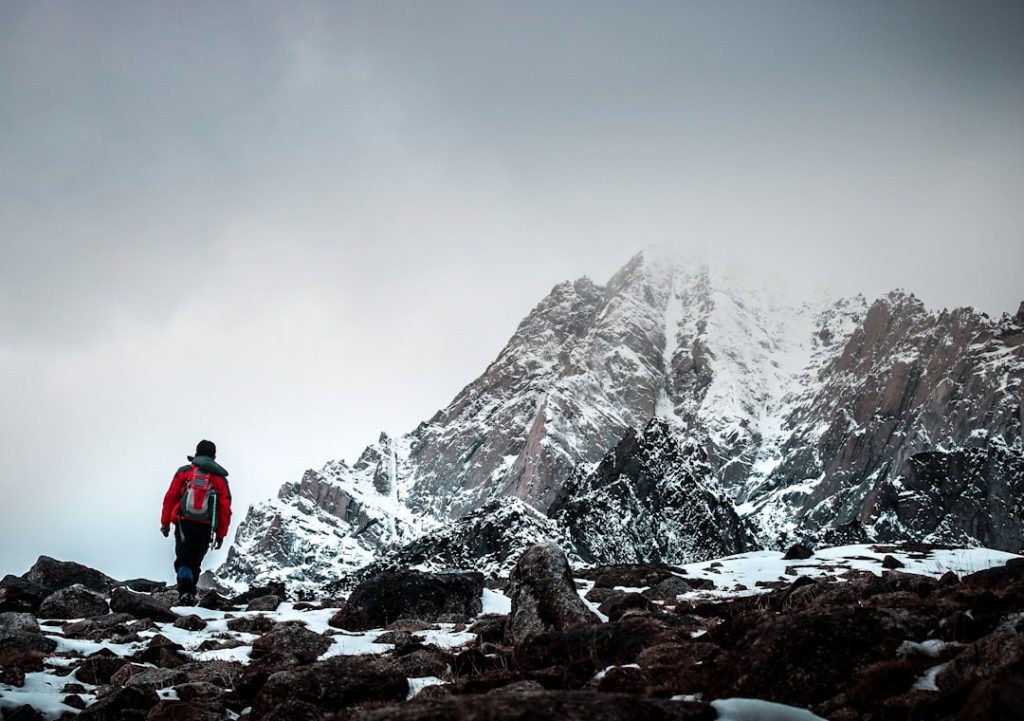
(55, 575)
(98, 669)
(124, 704)
(75, 601)
(533, 705)
(291, 640)
(141, 605)
(332, 685)
(433, 597)
(20, 595)
(15, 644)
(621, 603)
(543, 595)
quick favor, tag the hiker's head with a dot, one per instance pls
(206, 448)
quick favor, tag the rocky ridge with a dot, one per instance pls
(818, 421)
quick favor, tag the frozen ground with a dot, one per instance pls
(739, 575)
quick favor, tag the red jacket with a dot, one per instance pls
(219, 485)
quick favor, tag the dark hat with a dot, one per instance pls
(206, 448)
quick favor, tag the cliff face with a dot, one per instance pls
(908, 382)
(775, 421)
(651, 499)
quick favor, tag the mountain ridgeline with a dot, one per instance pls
(677, 414)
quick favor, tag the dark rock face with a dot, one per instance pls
(650, 500)
(73, 602)
(311, 691)
(431, 597)
(544, 595)
(974, 493)
(51, 573)
(489, 539)
(141, 605)
(908, 382)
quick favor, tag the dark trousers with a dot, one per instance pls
(191, 542)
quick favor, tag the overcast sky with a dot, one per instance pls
(289, 226)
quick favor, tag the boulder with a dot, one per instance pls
(123, 704)
(53, 574)
(141, 605)
(982, 659)
(24, 713)
(98, 669)
(630, 575)
(223, 674)
(156, 678)
(431, 597)
(668, 589)
(15, 644)
(311, 691)
(269, 602)
(19, 621)
(190, 623)
(254, 592)
(291, 640)
(620, 603)
(543, 595)
(75, 601)
(251, 624)
(998, 576)
(798, 552)
(20, 595)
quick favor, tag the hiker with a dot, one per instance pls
(198, 503)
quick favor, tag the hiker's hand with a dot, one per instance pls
(218, 543)
(165, 529)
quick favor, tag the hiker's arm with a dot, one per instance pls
(223, 511)
(171, 499)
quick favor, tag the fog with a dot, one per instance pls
(288, 228)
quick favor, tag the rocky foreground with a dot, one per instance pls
(861, 632)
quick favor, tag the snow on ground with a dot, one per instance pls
(733, 576)
(748, 709)
(739, 575)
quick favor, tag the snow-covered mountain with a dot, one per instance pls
(775, 420)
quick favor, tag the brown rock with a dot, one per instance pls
(73, 602)
(619, 604)
(292, 640)
(543, 594)
(190, 623)
(431, 597)
(337, 683)
(123, 704)
(269, 602)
